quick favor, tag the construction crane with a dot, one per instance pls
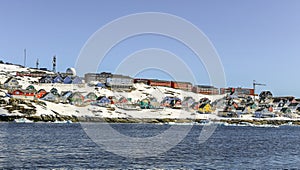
(256, 84)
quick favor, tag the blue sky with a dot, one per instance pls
(255, 39)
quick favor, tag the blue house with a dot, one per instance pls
(51, 97)
(68, 80)
(65, 96)
(100, 85)
(58, 79)
(46, 79)
(103, 101)
(77, 80)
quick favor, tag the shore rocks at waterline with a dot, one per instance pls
(53, 118)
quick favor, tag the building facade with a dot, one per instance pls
(100, 77)
(203, 89)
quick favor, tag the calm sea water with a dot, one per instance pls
(44, 145)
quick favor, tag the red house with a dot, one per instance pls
(28, 93)
(17, 93)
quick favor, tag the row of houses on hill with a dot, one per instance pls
(125, 82)
(30, 93)
(59, 78)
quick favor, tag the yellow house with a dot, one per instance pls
(205, 108)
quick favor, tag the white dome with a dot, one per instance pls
(71, 71)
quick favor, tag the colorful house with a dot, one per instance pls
(263, 113)
(187, 102)
(29, 93)
(17, 92)
(51, 97)
(39, 94)
(205, 108)
(100, 85)
(68, 80)
(172, 102)
(90, 97)
(31, 88)
(103, 101)
(293, 107)
(113, 99)
(24, 94)
(77, 80)
(195, 106)
(76, 99)
(285, 110)
(54, 91)
(46, 79)
(65, 96)
(123, 100)
(11, 83)
(149, 103)
(58, 79)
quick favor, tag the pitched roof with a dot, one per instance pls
(293, 104)
(203, 105)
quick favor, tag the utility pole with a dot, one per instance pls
(256, 84)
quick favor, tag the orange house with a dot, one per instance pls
(40, 93)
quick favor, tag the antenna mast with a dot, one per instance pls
(25, 57)
(37, 64)
(54, 63)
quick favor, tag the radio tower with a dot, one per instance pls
(54, 63)
(25, 57)
(37, 64)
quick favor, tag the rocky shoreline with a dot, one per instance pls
(51, 118)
